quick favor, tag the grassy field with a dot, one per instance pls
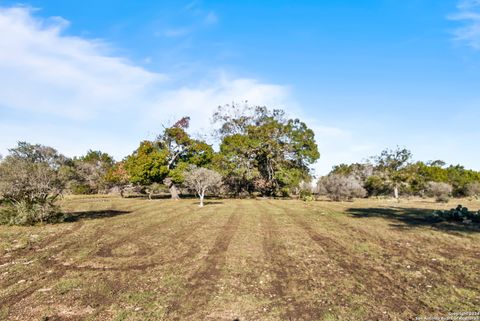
(134, 259)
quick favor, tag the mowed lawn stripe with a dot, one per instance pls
(244, 291)
(202, 285)
(246, 259)
(49, 267)
(291, 287)
(320, 284)
(425, 246)
(365, 273)
(398, 287)
(432, 258)
(62, 231)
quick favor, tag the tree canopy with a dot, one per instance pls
(30, 181)
(394, 168)
(261, 150)
(165, 159)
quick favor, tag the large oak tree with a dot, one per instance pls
(261, 150)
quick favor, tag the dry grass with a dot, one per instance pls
(134, 259)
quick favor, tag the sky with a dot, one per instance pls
(364, 75)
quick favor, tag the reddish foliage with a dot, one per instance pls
(184, 122)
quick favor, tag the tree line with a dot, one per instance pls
(394, 173)
(261, 152)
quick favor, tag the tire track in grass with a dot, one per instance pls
(44, 243)
(101, 229)
(58, 270)
(12, 299)
(387, 244)
(416, 253)
(32, 253)
(283, 266)
(47, 258)
(106, 250)
(177, 239)
(202, 285)
(365, 275)
(433, 272)
(182, 236)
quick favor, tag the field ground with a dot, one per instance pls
(134, 259)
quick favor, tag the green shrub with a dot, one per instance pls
(306, 195)
(376, 185)
(80, 189)
(308, 198)
(28, 213)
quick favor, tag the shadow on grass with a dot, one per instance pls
(91, 215)
(212, 203)
(158, 196)
(410, 218)
(207, 203)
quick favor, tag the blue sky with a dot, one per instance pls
(365, 75)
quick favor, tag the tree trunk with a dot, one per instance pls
(202, 195)
(395, 192)
(174, 192)
(173, 189)
(150, 195)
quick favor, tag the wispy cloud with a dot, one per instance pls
(42, 70)
(73, 92)
(468, 15)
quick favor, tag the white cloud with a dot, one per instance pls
(45, 71)
(469, 14)
(339, 145)
(203, 100)
(73, 94)
(76, 84)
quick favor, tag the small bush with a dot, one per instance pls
(377, 186)
(473, 190)
(28, 213)
(154, 188)
(309, 198)
(441, 191)
(79, 189)
(306, 195)
(339, 187)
